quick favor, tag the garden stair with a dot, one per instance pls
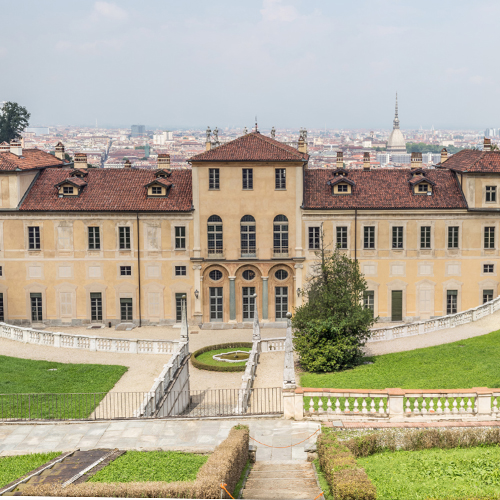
(292, 480)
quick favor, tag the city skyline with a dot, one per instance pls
(290, 62)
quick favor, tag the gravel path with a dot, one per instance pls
(482, 327)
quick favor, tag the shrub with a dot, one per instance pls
(225, 465)
(346, 480)
(216, 368)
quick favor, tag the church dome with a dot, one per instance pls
(396, 142)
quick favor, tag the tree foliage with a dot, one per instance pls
(13, 120)
(422, 147)
(331, 328)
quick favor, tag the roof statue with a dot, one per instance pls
(208, 134)
(396, 142)
(273, 133)
(216, 135)
(245, 131)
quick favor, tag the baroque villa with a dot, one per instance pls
(80, 245)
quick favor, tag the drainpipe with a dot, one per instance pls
(139, 269)
(355, 234)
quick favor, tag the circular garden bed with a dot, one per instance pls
(203, 358)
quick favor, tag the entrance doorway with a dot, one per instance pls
(96, 307)
(216, 303)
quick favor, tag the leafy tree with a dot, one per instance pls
(422, 147)
(331, 328)
(13, 120)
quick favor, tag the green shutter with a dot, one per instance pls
(397, 305)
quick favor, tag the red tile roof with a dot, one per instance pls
(252, 147)
(470, 160)
(110, 190)
(77, 181)
(31, 158)
(382, 189)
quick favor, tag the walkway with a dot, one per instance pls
(201, 435)
(481, 327)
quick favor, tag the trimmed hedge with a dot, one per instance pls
(229, 367)
(224, 465)
(347, 481)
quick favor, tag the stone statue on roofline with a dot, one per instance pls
(273, 133)
(208, 134)
(245, 131)
(216, 135)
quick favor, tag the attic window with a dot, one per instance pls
(342, 188)
(68, 190)
(156, 190)
(423, 187)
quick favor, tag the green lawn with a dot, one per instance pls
(463, 364)
(26, 376)
(11, 468)
(207, 357)
(141, 466)
(435, 473)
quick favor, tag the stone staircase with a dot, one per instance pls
(287, 479)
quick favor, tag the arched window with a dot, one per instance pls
(248, 248)
(214, 235)
(280, 236)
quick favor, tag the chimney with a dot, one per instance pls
(366, 161)
(4, 147)
(60, 151)
(164, 161)
(340, 159)
(416, 160)
(80, 160)
(487, 144)
(444, 155)
(127, 164)
(16, 148)
(302, 146)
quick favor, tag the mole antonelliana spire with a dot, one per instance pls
(396, 142)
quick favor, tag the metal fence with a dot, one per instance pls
(127, 405)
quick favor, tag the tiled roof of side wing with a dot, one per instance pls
(30, 159)
(382, 189)
(109, 190)
(252, 147)
(471, 160)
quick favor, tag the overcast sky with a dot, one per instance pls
(293, 63)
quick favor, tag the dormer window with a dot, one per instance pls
(342, 188)
(340, 184)
(156, 190)
(68, 189)
(423, 187)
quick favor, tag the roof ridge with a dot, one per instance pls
(278, 144)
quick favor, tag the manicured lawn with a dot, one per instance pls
(435, 473)
(11, 468)
(207, 357)
(463, 364)
(25, 376)
(141, 466)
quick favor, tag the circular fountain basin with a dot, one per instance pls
(232, 357)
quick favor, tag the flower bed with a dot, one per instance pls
(202, 358)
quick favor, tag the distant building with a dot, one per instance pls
(396, 142)
(383, 158)
(401, 158)
(490, 132)
(38, 130)
(162, 138)
(138, 131)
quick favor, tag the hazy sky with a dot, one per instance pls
(293, 63)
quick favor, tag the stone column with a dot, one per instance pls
(232, 299)
(265, 298)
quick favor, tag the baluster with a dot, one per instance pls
(337, 406)
(469, 406)
(347, 408)
(431, 405)
(381, 406)
(495, 407)
(408, 409)
(320, 405)
(329, 406)
(356, 409)
(455, 409)
(424, 406)
(461, 409)
(439, 406)
(372, 406)
(363, 404)
(311, 405)
(446, 405)
(475, 405)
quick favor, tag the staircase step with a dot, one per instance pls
(283, 474)
(268, 494)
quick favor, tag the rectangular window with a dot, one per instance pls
(34, 238)
(248, 302)
(397, 237)
(180, 270)
(213, 178)
(491, 194)
(94, 238)
(156, 190)
(248, 178)
(2, 316)
(489, 237)
(216, 312)
(314, 238)
(281, 302)
(342, 188)
(488, 268)
(178, 306)
(126, 310)
(67, 190)
(96, 306)
(369, 300)
(66, 304)
(124, 236)
(425, 237)
(280, 174)
(451, 301)
(125, 270)
(487, 296)
(180, 237)
(423, 188)
(369, 237)
(36, 307)
(342, 237)
(453, 236)
(1, 270)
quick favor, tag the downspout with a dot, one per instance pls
(355, 234)
(139, 269)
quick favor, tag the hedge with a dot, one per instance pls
(347, 481)
(229, 367)
(224, 465)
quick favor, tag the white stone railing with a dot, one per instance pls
(396, 405)
(162, 382)
(87, 342)
(277, 344)
(432, 325)
(248, 377)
